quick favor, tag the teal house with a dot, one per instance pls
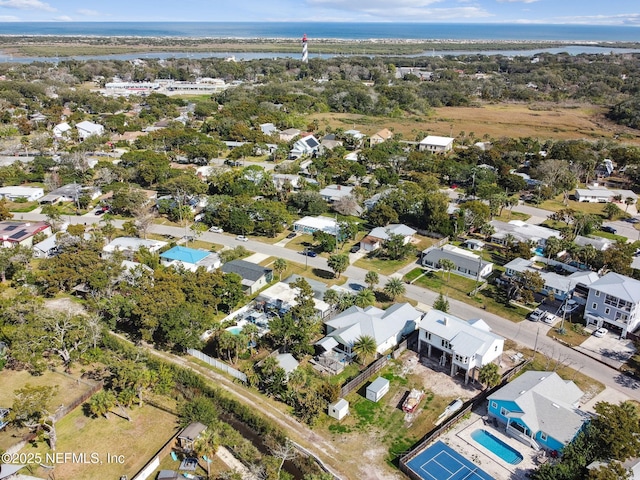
(540, 409)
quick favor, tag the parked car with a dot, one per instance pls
(355, 248)
(215, 229)
(536, 315)
(292, 235)
(632, 220)
(242, 238)
(608, 229)
(232, 163)
(549, 318)
(570, 306)
(601, 332)
(309, 253)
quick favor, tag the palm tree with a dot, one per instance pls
(279, 266)
(448, 265)
(394, 287)
(332, 297)
(489, 375)
(365, 298)
(345, 301)
(628, 201)
(371, 279)
(553, 246)
(101, 403)
(364, 347)
(206, 446)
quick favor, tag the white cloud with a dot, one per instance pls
(400, 10)
(9, 18)
(27, 5)
(517, 1)
(89, 13)
(63, 18)
(631, 19)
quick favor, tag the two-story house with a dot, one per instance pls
(466, 346)
(539, 409)
(614, 300)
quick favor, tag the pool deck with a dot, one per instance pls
(460, 439)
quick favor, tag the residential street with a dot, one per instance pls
(524, 332)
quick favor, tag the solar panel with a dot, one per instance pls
(11, 228)
(311, 142)
(19, 234)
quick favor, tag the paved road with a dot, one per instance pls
(528, 334)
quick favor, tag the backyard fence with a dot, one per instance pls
(440, 429)
(378, 364)
(217, 364)
(153, 464)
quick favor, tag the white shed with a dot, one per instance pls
(339, 409)
(377, 389)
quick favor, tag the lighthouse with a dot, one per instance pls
(305, 53)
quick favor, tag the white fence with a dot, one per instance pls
(218, 364)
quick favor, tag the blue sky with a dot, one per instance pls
(596, 12)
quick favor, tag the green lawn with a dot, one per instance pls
(11, 380)
(137, 441)
(383, 267)
(610, 236)
(573, 333)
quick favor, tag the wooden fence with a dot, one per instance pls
(376, 366)
(218, 364)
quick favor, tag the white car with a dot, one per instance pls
(536, 315)
(549, 318)
(242, 238)
(216, 230)
(601, 332)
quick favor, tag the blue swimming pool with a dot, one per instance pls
(235, 330)
(539, 251)
(497, 446)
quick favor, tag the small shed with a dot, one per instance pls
(339, 409)
(168, 475)
(189, 435)
(377, 389)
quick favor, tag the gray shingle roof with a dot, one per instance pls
(619, 286)
(546, 403)
(247, 270)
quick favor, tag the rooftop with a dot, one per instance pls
(184, 254)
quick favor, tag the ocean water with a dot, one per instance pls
(347, 31)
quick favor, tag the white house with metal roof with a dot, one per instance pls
(436, 144)
(467, 263)
(86, 129)
(311, 224)
(521, 232)
(130, 245)
(540, 409)
(387, 327)
(379, 235)
(599, 243)
(62, 130)
(463, 345)
(614, 301)
(602, 195)
(333, 193)
(29, 194)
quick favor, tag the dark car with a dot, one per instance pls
(632, 220)
(292, 235)
(355, 248)
(608, 229)
(232, 163)
(309, 253)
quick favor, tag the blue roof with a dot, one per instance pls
(184, 254)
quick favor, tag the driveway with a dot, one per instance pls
(609, 349)
(625, 229)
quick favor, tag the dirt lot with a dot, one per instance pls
(544, 121)
(380, 432)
